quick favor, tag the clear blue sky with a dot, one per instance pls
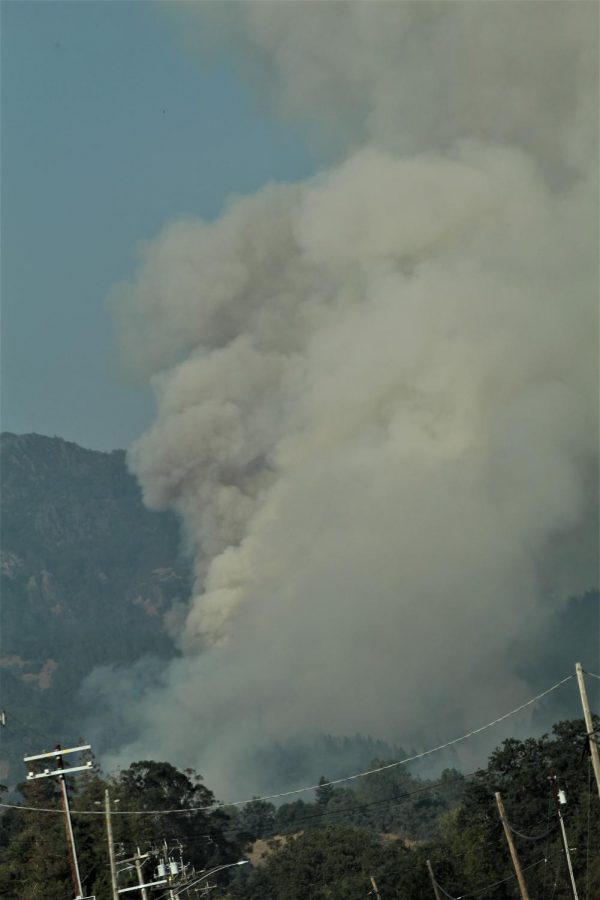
(109, 129)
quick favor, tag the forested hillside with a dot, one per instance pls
(327, 848)
(88, 574)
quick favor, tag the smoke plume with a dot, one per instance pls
(377, 390)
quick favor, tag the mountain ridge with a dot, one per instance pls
(87, 575)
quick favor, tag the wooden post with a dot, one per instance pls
(512, 848)
(375, 888)
(568, 854)
(137, 859)
(587, 715)
(60, 772)
(111, 846)
(434, 883)
(76, 878)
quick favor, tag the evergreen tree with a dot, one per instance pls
(324, 792)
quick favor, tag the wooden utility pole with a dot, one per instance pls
(587, 715)
(59, 772)
(434, 883)
(64, 798)
(137, 859)
(568, 855)
(111, 846)
(375, 888)
(512, 848)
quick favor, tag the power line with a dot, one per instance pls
(489, 887)
(313, 787)
(533, 837)
(591, 673)
(36, 731)
(405, 798)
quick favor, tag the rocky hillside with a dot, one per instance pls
(88, 574)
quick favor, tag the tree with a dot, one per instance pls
(331, 863)
(524, 771)
(256, 820)
(295, 816)
(33, 851)
(158, 787)
(324, 792)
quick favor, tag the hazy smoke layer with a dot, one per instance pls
(377, 391)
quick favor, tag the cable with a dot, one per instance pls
(489, 887)
(591, 673)
(504, 880)
(533, 837)
(311, 787)
(41, 734)
(405, 798)
(444, 892)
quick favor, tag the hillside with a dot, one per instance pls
(326, 846)
(87, 576)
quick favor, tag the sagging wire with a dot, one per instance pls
(313, 787)
(489, 887)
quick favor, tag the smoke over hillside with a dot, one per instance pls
(377, 390)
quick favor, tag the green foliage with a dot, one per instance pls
(33, 851)
(324, 792)
(467, 847)
(160, 786)
(333, 862)
(524, 773)
(315, 852)
(392, 802)
(254, 820)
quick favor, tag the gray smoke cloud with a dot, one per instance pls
(377, 390)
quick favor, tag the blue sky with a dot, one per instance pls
(109, 129)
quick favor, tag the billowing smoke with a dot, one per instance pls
(377, 390)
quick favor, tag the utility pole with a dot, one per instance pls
(375, 888)
(587, 715)
(59, 772)
(111, 846)
(562, 800)
(64, 797)
(434, 883)
(137, 859)
(512, 848)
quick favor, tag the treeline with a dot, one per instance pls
(386, 826)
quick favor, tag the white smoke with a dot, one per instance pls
(377, 391)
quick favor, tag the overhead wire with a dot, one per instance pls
(444, 891)
(488, 887)
(533, 837)
(438, 785)
(36, 731)
(313, 787)
(405, 798)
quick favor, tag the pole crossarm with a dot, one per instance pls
(52, 773)
(138, 887)
(57, 752)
